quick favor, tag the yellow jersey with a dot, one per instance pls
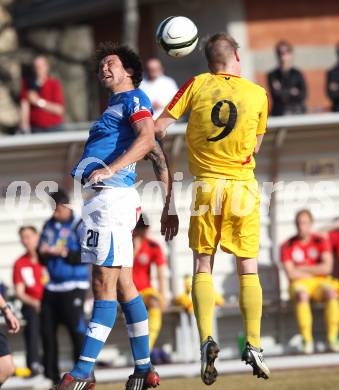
(226, 113)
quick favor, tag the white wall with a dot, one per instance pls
(322, 196)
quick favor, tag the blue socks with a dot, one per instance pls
(137, 328)
(103, 318)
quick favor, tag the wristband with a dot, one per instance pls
(4, 308)
(41, 103)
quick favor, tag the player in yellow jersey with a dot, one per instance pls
(227, 122)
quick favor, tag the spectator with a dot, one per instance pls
(6, 360)
(28, 278)
(308, 263)
(146, 254)
(184, 299)
(158, 87)
(286, 84)
(63, 300)
(333, 235)
(332, 83)
(3, 289)
(42, 102)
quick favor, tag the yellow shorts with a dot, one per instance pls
(225, 212)
(149, 293)
(315, 287)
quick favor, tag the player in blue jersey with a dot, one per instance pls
(122, 135)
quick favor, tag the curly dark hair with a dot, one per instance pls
(59, 197)
(128, 58)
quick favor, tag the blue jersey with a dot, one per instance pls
(66, 234)
(111, 135)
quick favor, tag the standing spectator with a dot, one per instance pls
(6, 360)
(308, 264)
(158, 87)
(332, 83)
(42, 101)
(286, 84)
(147, 253)
(28, 278)
(63, 300)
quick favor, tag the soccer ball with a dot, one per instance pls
(177, 35)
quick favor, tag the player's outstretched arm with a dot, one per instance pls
(142, 145)
(169, 218)
(260, 138)
(162, 123)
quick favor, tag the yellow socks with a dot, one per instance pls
(154, 325)
(331, 318)
(304, 319)
(250, 304)
(203, 303)
(251, 307)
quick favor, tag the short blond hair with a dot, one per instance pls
(231, 48)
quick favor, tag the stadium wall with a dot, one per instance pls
(311, 26)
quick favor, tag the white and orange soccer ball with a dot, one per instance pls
(177, 35)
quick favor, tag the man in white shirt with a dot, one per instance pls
(158, 87)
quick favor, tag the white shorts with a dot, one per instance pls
(109, 217)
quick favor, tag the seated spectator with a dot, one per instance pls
(332, 83)
(184, 299)
(13, 326)
(28, 278)
(286, 84)
(64, 295)
(158, 87)
(146, 254)
(333, 235)
(308, 263)
(42, 101)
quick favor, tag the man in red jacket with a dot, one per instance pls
(42, 101)
(28, 278)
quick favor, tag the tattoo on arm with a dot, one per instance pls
(162, 172)
(159, 161)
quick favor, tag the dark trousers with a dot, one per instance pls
(31, 335)
(65, 308)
